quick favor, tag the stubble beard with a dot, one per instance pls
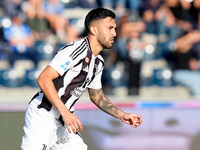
(104, 43)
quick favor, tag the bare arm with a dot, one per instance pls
(45, 82)
(101, 100)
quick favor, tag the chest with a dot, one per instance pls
(89, 67)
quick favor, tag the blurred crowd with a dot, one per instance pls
(149, 33)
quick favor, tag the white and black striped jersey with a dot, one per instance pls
(79, 69)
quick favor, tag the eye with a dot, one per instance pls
(110, 28)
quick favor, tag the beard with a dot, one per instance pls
(105, 43)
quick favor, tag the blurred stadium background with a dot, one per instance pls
(141, 78)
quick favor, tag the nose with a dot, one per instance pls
(114, 33)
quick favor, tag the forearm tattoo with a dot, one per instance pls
(101, 100)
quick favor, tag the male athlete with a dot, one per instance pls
(49, 121)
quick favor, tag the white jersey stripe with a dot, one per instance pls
(81, 70)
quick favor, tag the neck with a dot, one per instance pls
(94, 45)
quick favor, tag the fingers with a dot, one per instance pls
(136, 120)
(139, 119)
(69, 129)
(75, 127)
(72, 122)
(135, 125)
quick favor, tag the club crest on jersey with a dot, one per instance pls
(65, 66)
(87, 59)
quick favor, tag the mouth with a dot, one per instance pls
(112, 40)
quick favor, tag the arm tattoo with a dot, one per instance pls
(101, 100)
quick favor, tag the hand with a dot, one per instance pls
(132, 119)
(72, 122)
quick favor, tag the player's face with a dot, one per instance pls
(107, 32)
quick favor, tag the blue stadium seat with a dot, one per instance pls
(88, 3)
(115, 78)
(11, 78)
(1, 77)
(42, 51)
(59, 45)
(149, 53)
(146, 81)
(31, 77)
(70, 3)
(163, 77)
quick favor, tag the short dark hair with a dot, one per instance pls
(97, 14)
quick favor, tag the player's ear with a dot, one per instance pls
(93, 30)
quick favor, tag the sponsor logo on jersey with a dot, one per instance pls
(86, 82)
(77, 92)
(65, 66)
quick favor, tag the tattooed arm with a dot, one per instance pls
(100, 99)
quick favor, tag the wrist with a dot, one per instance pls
(63, 110)
(120, 114)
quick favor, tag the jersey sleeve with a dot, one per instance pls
(61, 62)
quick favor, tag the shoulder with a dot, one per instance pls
(73, 45)
(74, 49)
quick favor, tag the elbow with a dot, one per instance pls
(39, 81)
(95, 94)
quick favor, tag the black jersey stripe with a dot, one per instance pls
(97, 62)
(58, 83)
(84, 48)
(79, 52)
(36, 95)
(78, 80)
(102, 62)
(88, 44)
(75, 80)
(78, 63)
(77, 49)
(45, 104)
(94, 70)
(73, 104)
(67, 45)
